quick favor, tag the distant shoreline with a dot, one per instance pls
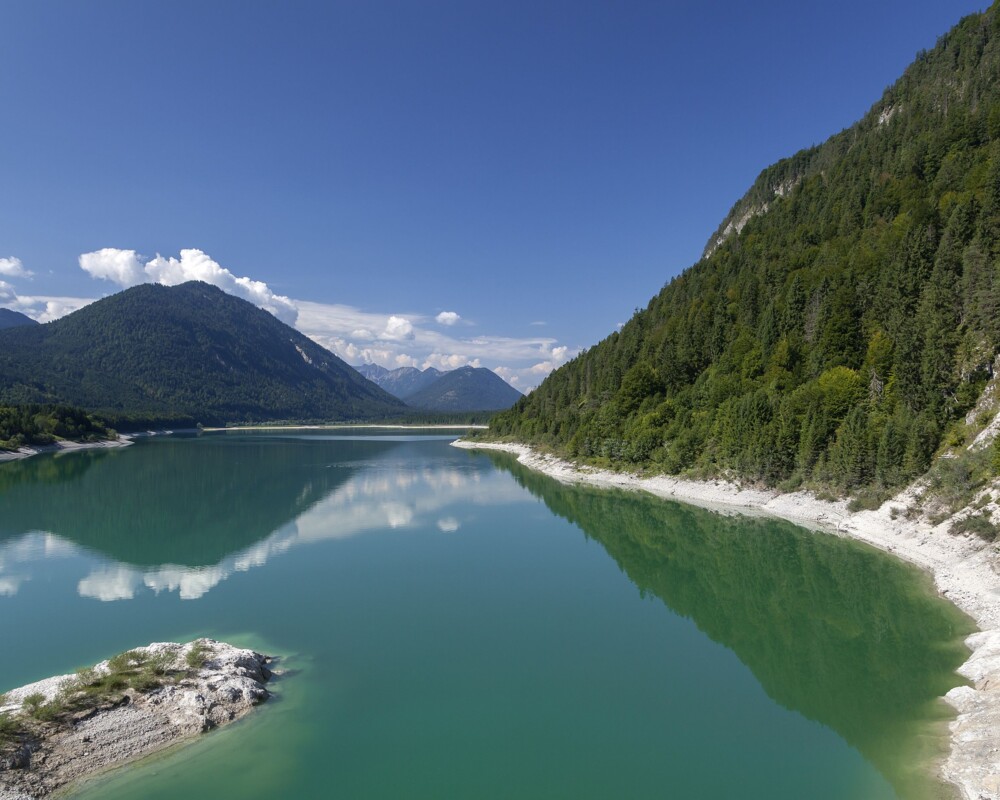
(341, 425)
(126, 439)
(69, 446)
(964, 569)
(123, 440)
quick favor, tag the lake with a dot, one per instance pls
(455, 626)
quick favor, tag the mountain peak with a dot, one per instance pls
(14, 319)
(466, 389)
(401, 382)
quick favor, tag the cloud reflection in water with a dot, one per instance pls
(373, 500)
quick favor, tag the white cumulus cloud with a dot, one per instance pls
(128, 268)
(397, 329)
(11, 267)
(413, 339)
(354, 354)
(556, 356)
(54, 308)
(40, 308)
(447, 318)
(47, 309)
(453, 361)
(509, 375)
(123, 267)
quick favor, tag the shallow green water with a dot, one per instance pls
(457, 627)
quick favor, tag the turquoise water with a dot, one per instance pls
(454, 626)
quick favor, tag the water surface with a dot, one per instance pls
(456, 626)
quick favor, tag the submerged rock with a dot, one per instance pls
(205, 684)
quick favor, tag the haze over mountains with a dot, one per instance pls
(466, 388)
(462, 389)
(401, 382)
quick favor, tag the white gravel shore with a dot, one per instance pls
(62, 447)
(964, 568)
(226, 687)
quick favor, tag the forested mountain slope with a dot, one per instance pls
(39, 425)
(183, 351)
(465, 389)
(13, 319)
(846, 313)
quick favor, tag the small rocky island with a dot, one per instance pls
(64, 729)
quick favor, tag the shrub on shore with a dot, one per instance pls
(978, 524)
(197, 655)
(134, 670)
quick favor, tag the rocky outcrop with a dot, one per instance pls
(744, 211)
(216, 685)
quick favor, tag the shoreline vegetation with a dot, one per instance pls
(63, 730)
(964, 569)
(26, 427)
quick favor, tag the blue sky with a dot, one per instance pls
(536, 169)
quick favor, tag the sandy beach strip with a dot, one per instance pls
(964, 569)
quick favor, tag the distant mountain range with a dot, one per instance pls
(13, 319)
(463, 389)
(401, 382)
(466, 389)
(190, 350)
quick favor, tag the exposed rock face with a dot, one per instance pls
(226, 687)
(744, 211)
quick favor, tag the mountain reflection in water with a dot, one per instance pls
(830, 628)
(843, 635)
(184, 523)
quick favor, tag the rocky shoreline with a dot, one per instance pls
(62, 447)
(206, 684)
(966, 571)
